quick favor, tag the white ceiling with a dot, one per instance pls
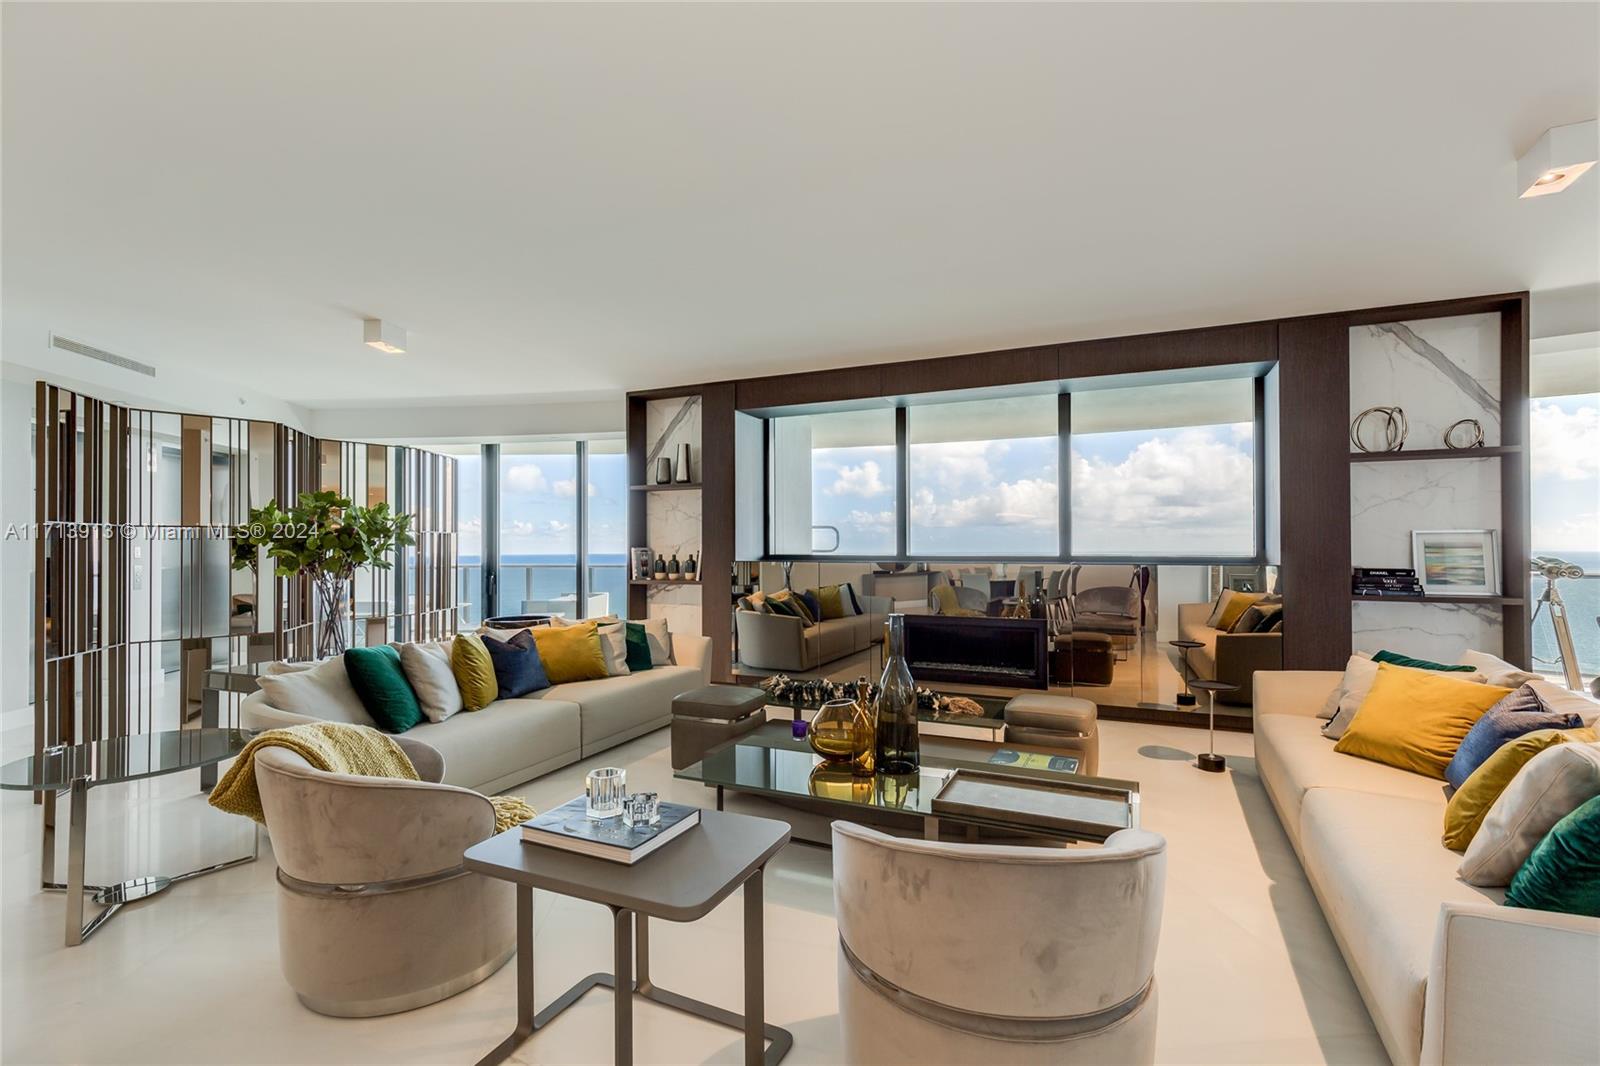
(582, 199)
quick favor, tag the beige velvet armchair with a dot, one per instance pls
(963, 953)
(376, 913)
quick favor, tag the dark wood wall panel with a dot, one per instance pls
(1252, 342)
(1314, 473)
(716, 529)
(1515, 504)
(1014, 366)
(820, 386)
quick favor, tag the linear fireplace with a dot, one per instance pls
(979, 651)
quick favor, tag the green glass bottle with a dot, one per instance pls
(898, 751)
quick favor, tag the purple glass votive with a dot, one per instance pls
(798, 728)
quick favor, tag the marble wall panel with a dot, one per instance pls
(1437, 631)
(1439, 370)
(1389, 500)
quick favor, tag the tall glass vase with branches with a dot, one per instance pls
(325, 539)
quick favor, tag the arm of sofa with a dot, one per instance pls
(1486, 957)
(771, 641)
(876, 606)
(1294, 691)
(256, 713)
(1240, 655)
(693, 650)
(1192, 617)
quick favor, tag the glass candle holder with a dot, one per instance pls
(604, 789)
(641, 809)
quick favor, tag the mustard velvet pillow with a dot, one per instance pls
(1416, 719)
(571, 653)
(829, 599)
(474, 671)
(1464, 815)
(1235, 606)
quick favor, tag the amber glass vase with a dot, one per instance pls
(833, 731)
(898, 751)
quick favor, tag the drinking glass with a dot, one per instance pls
(605, 789)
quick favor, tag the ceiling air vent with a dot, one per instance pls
(104, 356)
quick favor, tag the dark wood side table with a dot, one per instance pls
(1186, 697)
(1209, 760)
(682, 882)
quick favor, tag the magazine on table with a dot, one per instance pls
(569, 828)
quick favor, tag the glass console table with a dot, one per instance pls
(78, 768)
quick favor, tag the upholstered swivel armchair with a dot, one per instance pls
(964, 953)
(375, 912)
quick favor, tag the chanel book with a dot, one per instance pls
(569, 828)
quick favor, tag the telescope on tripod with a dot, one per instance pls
(1552, 569)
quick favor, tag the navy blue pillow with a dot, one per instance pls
(518, 670)
(1518, 712)
(813, 604)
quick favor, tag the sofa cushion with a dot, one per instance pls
(427, 667)
(660, 640)
(638, 645)
(492, 747)
(1381, 878)
(571, 653)
(473, 670)
(322, 691)
(615, 705)
(1551, 786)
(614, 647)
(1472, 802)
(1416, 719)
(1295, 756)
(1563, 873)
(517, 667)
(1516, 714)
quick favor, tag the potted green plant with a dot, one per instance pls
(326, 539)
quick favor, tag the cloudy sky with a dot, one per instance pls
(1565, 456)
(539, 505)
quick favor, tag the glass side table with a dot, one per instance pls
(78, 768)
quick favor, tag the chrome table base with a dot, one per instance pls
(111, 897)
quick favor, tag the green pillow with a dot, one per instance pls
(1563, 873)
(376, 676)
(474, 671)
(1397, 659)
(638, 646)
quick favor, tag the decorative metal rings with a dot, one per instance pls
(1394, 429)
(1463, 434)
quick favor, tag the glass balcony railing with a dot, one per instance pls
(544, 588)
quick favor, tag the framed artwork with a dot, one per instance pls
(1457, 562)
(639, 564)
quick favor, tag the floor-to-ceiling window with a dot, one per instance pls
(605, 522)
(1564, 455)
(538, 529)
(833, 484)
(469, 532)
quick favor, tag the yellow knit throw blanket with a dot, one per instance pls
(338, 748)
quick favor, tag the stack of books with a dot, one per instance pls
(1367, 581)
(569, 828)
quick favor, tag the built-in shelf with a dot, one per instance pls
(1428, 454)
(1493, 601)
(675, 486)
(666, 581)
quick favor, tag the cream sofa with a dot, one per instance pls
(783, 642)
(1447, 973)
(1230, 657)
(512, 741)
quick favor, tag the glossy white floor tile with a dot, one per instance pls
(1248, 969)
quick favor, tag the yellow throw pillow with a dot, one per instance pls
(474, 671)
(829, 600)
(1416, 719)
(1468, 807)
(1234, 606)
(571, 653)
(799, 604)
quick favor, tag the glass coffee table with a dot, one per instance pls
(1017, 789)
(77, 768)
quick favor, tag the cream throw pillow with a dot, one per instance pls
(1551, 786)
(660, 639)
(614, 648)
(324, 691)
(1352, 670)
(1561, 699)
(427, 669)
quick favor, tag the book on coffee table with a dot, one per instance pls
(569, 828)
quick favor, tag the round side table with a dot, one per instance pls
(1209, 760)
(1186, 697)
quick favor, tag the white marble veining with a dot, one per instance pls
(679, 606)
(667, 424)
(1437, 631)
(1389, 500)
(672, 522)
(1438, 370)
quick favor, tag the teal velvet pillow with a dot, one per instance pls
(1397, 659)
(376, 676)
(1563, 873)
(638, 646)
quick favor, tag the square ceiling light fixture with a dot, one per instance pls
(384, 336)
(1558, 158)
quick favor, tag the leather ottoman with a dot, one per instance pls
(1065, 723)
(709, 717)
(1083, 658)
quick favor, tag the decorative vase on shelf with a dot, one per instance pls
(685, 473)
(897, 749)
(663, 471)
(689, 568)
(674, 572)
(659, 572)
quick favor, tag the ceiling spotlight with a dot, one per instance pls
(1558, 158)
(384, 336)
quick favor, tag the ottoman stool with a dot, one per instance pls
(1083, 658)
(709, 717)
(1065, 723)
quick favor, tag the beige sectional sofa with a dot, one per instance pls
(512, 741)
(1447, 973)
(1230, 657)
(783, 642)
